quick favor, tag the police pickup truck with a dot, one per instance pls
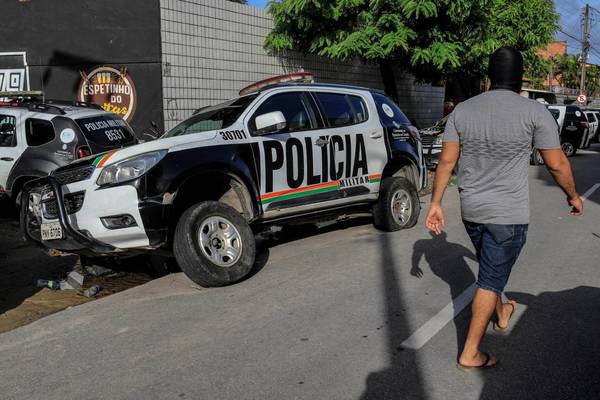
(283, 154)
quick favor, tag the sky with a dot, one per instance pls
(258, 3)
(571, 16)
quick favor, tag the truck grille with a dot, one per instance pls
(74, 175)
(73, 203)
(427, 140)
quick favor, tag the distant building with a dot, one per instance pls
(558, 48)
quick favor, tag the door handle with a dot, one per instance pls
(7, 159)
(321, 142)
(375, 135)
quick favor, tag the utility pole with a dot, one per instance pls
(585, 46)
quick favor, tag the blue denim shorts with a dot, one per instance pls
(497, 247)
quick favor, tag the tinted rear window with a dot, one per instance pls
(106, 130)
(389, 112)
(342, 109)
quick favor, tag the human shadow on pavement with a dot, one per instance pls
(553, 350)
(402, 378)
(447, 261)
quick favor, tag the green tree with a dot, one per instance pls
(568, 73)
(435, 40)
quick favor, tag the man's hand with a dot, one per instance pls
(435, 219)
(577, 206)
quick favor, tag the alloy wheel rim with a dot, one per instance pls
(567, 148)
(401, 206)
(538, 155)
(220, 241)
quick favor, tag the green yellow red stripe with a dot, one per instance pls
(374, 178)
(334, 185)
(308, 190)
(101, 160)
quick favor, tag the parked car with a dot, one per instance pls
(593, 123)
(285, 154)
(38, 137)
(543, 96)
(573, 127)
(431, 139)
(596, 113)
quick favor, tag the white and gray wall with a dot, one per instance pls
(213, 48)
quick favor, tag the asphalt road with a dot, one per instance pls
(348, 313)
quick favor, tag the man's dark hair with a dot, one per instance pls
(506, 69)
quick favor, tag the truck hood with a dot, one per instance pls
(171, 143)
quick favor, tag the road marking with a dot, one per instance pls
(435, 324)
(590, 191)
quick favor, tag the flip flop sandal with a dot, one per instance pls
(484, 365)
(498, 328)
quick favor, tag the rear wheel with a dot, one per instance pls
(214, 245)
(569, 148)
(398, 206)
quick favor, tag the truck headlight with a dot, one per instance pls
(130, 168)
(438, 140)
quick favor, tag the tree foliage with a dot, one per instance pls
(567, 70)
(433, 39)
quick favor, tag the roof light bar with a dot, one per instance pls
(299, 77)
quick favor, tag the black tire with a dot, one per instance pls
(193, 257)
(536, 157)
(569, 148)
(383, 212)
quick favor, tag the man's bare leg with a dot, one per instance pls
(484, 303)
(504, 312)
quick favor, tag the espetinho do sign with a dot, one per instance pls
(111, 88)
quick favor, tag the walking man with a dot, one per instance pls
(492, 134)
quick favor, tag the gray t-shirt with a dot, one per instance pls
(496, 130)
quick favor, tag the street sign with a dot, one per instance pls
(582, 98)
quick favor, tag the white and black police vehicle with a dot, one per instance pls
(284, 154)
(38, 136)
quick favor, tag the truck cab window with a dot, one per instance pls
(8, 131)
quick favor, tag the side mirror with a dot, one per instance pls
(270, 122)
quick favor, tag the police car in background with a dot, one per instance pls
(39, 136)
(286, 153)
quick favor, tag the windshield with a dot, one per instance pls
(441, 123)
(214, 117)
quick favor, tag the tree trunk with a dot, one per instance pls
(386, 68)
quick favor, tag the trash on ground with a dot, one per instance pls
(75, 280)
(92, 291)
(50, 284)
(96, 270)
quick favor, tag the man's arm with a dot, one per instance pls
(560, 168)
(448, 158)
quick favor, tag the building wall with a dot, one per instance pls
(213, 48)
(60, 38)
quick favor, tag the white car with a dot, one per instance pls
(592, 117)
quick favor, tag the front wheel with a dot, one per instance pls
(569, 148)
(214, 245)
(398, 206)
